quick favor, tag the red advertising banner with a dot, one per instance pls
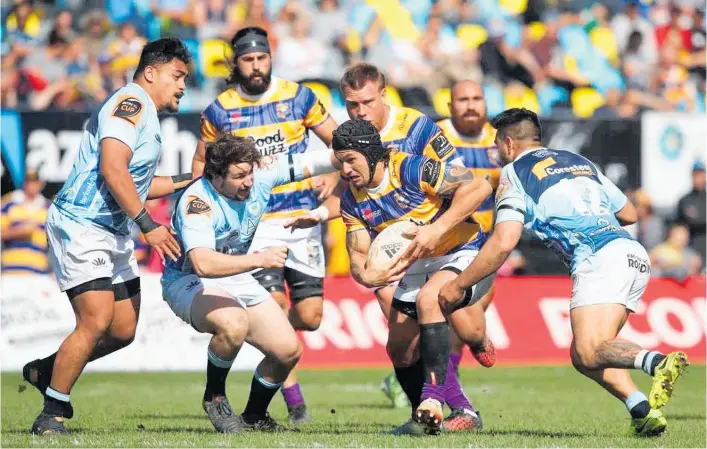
(528, 322)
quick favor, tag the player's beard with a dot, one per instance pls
(249, 85)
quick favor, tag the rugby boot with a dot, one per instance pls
(430, 414)
(262, 423)
(391, 387)
(33, 374)
(410, 428)
(461, 420)
(221, 415)
(49, 425)
(666, 374)
(485, 354)
(652, 425)
(298, 415)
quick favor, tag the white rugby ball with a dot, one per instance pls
(389, 244)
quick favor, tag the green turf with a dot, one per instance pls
(521, 407)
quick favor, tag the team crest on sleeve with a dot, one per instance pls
(282, 110)
(494, 158)
(442, 146)
(503, 185)
(129, 109)
(197, 206)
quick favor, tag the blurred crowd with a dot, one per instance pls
(616, 58)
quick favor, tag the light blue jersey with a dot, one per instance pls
(563, 200)
(130, 116)
(203, 218)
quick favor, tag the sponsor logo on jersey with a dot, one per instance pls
(271, 144)
(237, 117)
(641, 265)
(370, 215)
(430, 172)
(546, 168)
(128, 109)
(400, 200)
(442, 146)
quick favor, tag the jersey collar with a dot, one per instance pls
(381, 187)
(392, 113)
(274, 81)
(149, 98)
(530, 150)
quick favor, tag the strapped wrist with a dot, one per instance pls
(145, 222)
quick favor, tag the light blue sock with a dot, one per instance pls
(56, 395)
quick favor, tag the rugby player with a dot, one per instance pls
(387, 187)
(401, 129)
(210, 287)
(89, 224)
(469, 131)
(277, 115)
(565, 201)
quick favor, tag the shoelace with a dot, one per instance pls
(223, 408)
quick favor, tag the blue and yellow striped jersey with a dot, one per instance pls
(24, 256)
(278, 121)
(408, 193)
(410, 131)
(480, 155)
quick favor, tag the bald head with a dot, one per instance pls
(468, 108)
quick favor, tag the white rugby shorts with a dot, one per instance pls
(80, 253)
(421, 271)
(616, 274)
(305, 249)
(242, 288)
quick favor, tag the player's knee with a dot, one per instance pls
(96, 326)
(232, 327)
(427, 301)
(123, 336)
(289, 355)
(399, 352)
(582, 356)
(309, 319)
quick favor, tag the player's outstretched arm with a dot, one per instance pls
(166, 185)
(209, 263)
(495, 251)
(115, 157)
(330, 209)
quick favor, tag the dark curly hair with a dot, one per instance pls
(226, 150)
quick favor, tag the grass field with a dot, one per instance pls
(521, 407)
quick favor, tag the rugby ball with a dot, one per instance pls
(390, 244)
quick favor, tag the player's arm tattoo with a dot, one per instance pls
(454, 177)
(615, 354)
